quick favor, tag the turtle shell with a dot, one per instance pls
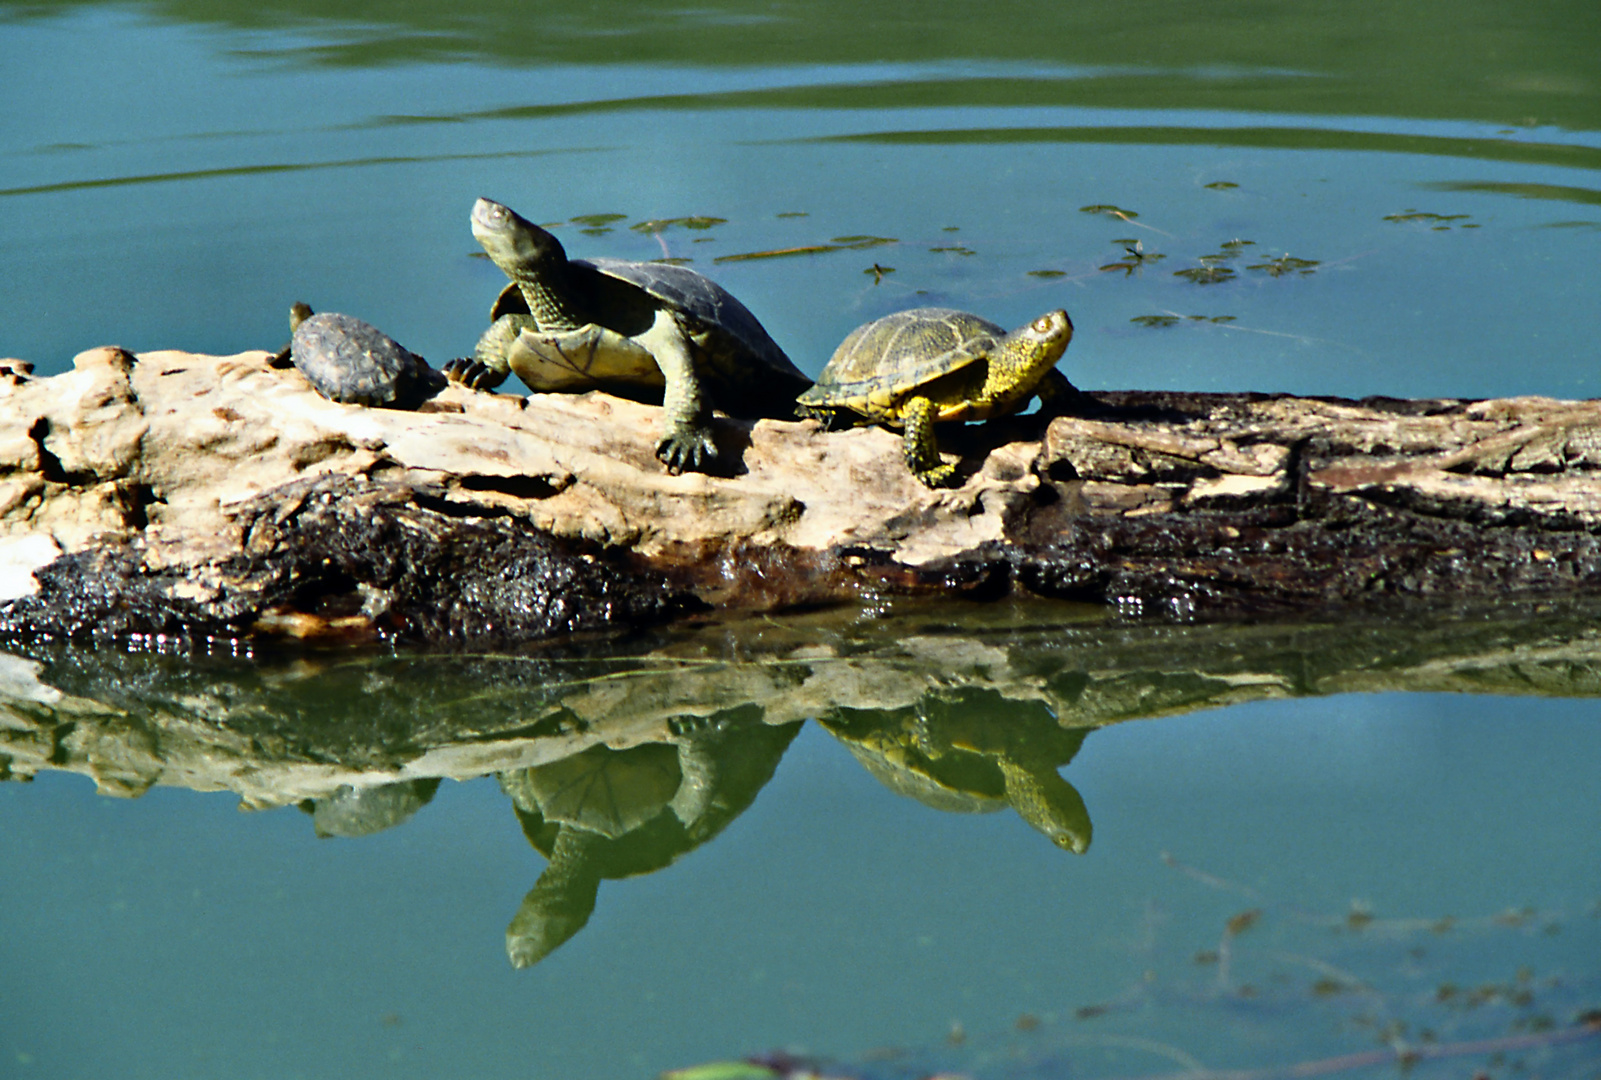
(953, 791)
(355, 363)
(607, 792)
(882, 361)
(707, 304)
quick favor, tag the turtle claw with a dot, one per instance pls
(689, 449)
(473, 374)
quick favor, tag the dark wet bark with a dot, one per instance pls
(335, 559)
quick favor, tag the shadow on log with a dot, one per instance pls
(202, 497)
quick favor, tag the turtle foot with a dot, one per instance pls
(940, 476)
(473, 374)
(687, 449)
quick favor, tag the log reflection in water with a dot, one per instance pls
(961, 708)
(303, 727)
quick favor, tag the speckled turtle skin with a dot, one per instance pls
(648, 331)
(915, 368)
(355, 363)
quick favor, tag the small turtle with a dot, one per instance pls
(946, 761)
(648, 331)
(352, 362)
(353, 811)
(916, 367)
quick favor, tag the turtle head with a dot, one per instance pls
(1042, 342)
(299, 312)
(1049, 803)
(1023, 359)
(512, 241)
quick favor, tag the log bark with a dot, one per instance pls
(203, 498)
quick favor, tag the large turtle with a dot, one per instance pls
(607, 813)
(916, 367)
(650, 331)
(355, 363)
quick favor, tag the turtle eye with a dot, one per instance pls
(1042, 324)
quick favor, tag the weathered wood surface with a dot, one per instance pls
(192, 495)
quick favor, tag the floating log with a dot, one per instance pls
(200, 498)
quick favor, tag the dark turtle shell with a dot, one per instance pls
(884, 359)
(355, 363)
(733, 333)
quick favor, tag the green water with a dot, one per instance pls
(174, 175)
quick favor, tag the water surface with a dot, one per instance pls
(174, 175)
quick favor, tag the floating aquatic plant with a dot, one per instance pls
(1157, 321)
(1205, 274)
(1437, 222)
(839, 243)
(1109, 210)
(1286, 264)
(696, 221)
(1134, 257)
(597, 224)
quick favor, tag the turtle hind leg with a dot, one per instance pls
(687, 442)
(922, 452)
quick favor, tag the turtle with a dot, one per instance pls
(607, 813)
(353, 811)
(955, 757)
(355, 363)
(913, 368)
(654, 332)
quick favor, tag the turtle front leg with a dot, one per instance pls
(922, 453)
(489, 365)
(687, 442)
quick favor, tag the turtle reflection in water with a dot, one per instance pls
(352, 811)
(974, 753)
(608, 813)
